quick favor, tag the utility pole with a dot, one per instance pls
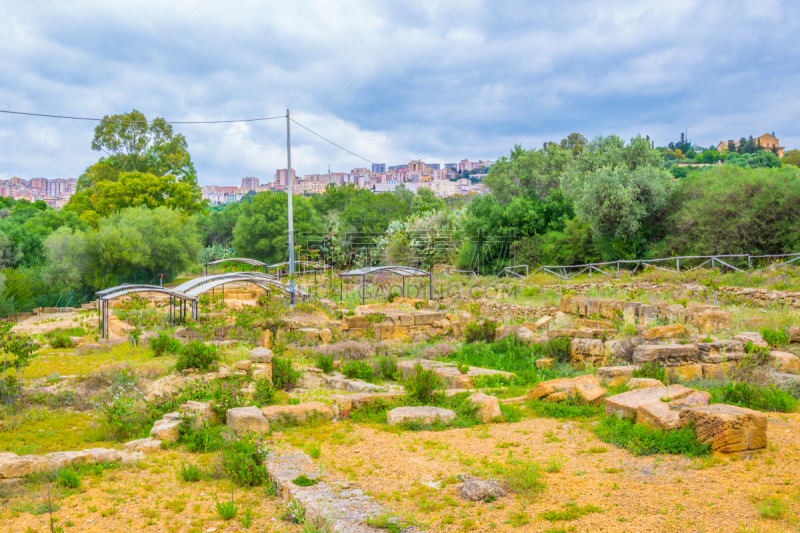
(290, 183)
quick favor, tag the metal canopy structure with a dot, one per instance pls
(306, 267)
(187, 294)
(403, 271)
(246, 261)
(106, 295)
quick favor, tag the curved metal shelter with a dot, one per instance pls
(306, 267)
(106, 295)
(403, 271)
(251, 262)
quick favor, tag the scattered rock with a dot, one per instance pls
(586, 350)
(146, 446)
(547, 320)
(476, 489)
(712, 320)
(12, 465)
(199, 412)
(545, 362)
(613, 376)
(261, 355)
(424, 415)
(728, 428)
(488, 406)
(665, 332)
(166, 430)
(247, 419)
(794, 334)
(720, 351)
(362, 386)
(784, 362)
(266, 340)
(657, 415)
(685, 372)
(244, 364)
(627, 404)
(665, 354)
(298, 413)
(325, 335)
(644, 383)
(587, 388)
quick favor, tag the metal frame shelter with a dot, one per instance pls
(315, 267)
(251, 262)
(106, 295)
(404, 272)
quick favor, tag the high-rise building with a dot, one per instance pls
(379, 167)
(53, 188)
(282, 179)
(250, 183)
(434, 166)
(451, 166)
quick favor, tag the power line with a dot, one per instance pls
(333, 143)
(142, 121)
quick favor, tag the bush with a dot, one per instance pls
(324, 362)
(386, 367)
(68, 479)
(122, 417)
(652, 370)
(227, 510)
(348, 350)
(557, 349)
(483, 330)
(763, 398)
(264, 394)
(358, 370)
(204, 439)
(284, 377)
(243, 463)
(569, 408)
(227, 394)
(423, 385)
(774, 337)
(643, 440)
(59, 339)
(190, 473)
(196, 354)
(164, 343)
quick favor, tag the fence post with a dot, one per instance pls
(749, 263)
(679, 265)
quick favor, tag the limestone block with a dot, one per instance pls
(13, 466)
(720, 351)
(644, 383)
(247, 419)
(546, 388)
(547, 320)
(244, 364)
(166, 430)
(685, 372)
(588, 390)
(310, 335)
(613, 376)
(665, 354)
(657, 415)
(476, 489)
(146, 446)
(647, 314)
(423, 415)
(665, 332)
(597, 324)
(727, 428)
(585, 350)
(427, 318)
(60, 460)
(299, 412)
(627, 403)
(262, 371)
(261, 355)
(199, 412)
(712, 320)
(717, 371)
(488, 406)
(266, 339)
(325, 335)
(794, 334)
(672, 312)
(753, 337)
(784, 362)
(695, 399)
(545, 362)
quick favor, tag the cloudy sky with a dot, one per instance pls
(439, 80)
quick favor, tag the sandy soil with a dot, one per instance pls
(51, 321)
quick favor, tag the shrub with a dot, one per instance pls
(243, 463)
(441, 350)
(569, 408)
(557, 349)
(68, 479)
(763, 398)
(196, 354)
(652, 370)
(304, 481)
(643, 440)
(264, 394)
(190, 473)
(571, 511)
(122, 417)
(774, 337)
(204, 439)
(423, 385)
(324, 362)
(348, 350)
(386, 367)
(59, 339)
(164, 343)
(520, 475)
(284, 377)
(227, 510)
(358, 370)
(227, 394)
(480, 331)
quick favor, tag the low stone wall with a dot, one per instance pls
(14, 466)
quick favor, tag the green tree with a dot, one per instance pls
(424, 201)
(217, 226)
(612, 152)
(66, 260)
(575, 143)
(134, 189)
(528, 172)
(792, 157)
(261, 231)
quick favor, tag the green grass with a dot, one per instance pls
(38, 431)
(69, 363)
(522, 476)
(375, 413)
(571, 511)
(643, 440)
(569, 408)
(752, 396)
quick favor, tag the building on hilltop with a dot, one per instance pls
(250, 183)
(282, 179)
(379, 167)
(767, 141)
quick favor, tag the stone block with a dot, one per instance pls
(585, 350)
(545, 362)
(749, 336)
(325, 335)
(14, 466)
(717, 371)
(261, 355)
(596, 324)
(627, 403)
(727, 428)
(298, 413)
(712, 320)
(476, 489)
(546, 388)
(672, 312)
(695, 399)
(427, 318)
(244, 364)
(586, 388)
(310, 335)
(247, 420)
(61, 460)
(547, 320)
(794, 334)
(720, 351)
(665, 332)
(647, 314)
(423, 415)
(685, 372)
(146, 446)
(657, 415)
(644, 383)
(488, 406)
(262, 371)
(666, 354)
(613, 376)
(784, 362)
(166, 430)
